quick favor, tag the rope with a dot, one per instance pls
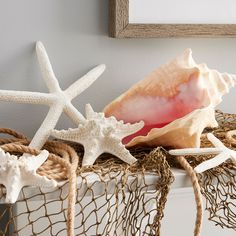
(197, 193)
(18, 137)
(230, 136)
(63, 164)
(12, 133)
(67, 161)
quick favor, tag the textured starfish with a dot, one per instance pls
(15, 173)
(223, 153)
(99, 134)
(58, 100)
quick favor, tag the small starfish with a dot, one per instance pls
(223, 154)
(58, 100)
(15, 173)
(99, 134)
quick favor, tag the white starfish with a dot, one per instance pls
(99, 134)
(58, 100)
(223, 154)
(15, 173)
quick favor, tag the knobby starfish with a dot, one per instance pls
(58, 100)
(223, 153)
(15, 173)
(99, 134)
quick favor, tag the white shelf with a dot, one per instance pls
(92, 179)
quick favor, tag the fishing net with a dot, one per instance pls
(109, 198)
(218, 185)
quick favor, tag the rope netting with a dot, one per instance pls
(218, 185)
(109, 198)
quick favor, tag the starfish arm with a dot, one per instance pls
(89, 112)
(6, 156)
(195, 151)
(84, 82)
(91, 153)
(74, 114)
(116, 148)
(13, 191)
(69, 135)
(215, 141)
(25, 97)
(218, 160)
(46, 127)
(41, 181)
(124, 130)
(34, 162)
(124, 155)
(46, 68)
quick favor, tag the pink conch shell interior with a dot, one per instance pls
(170, 92)
(184, 132)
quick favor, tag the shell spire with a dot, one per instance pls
(216, 84)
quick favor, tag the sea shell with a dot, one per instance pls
(171, 92)
(184, 132)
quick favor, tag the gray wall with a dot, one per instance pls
(75, 34)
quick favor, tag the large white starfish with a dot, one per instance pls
(223, 153)
(99, 134)
(58, 100)
(15, 173)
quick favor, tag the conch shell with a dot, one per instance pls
(184, 132)
(169, 93)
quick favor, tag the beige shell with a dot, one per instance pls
(181, 133)
(171, 92)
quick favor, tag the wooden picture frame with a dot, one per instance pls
(119, 26)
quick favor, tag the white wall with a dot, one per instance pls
(181, 12)
(179, 218)
(75, 34)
